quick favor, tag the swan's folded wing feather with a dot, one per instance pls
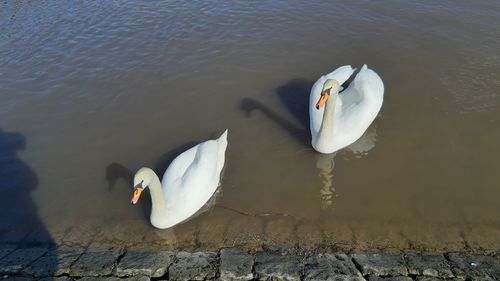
(204, 166)
(188, 192)
(178, 167)
(366, 82)
(359, 106)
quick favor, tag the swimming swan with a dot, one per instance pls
(337, 120)
(188, 183)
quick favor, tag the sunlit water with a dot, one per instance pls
(91, 91)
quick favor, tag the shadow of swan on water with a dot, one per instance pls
(116, 171)
(295, 96)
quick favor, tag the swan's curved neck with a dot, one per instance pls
(325, 134)
(157, 197)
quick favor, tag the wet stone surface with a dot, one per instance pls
(135, 278)
(15, 261)
(275, 267)
(474, 267)
(381, 264)
(193, 266)
(399, 278)
(62, 278)
(331, 267)
(96, 261)
(63, 257)
(17, 278)
(427, 278)
(428, 265)
(146, 263)
(235, 264)
(112, 263)
(7, 249)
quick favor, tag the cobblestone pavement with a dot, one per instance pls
(109, 262)
(279, 250)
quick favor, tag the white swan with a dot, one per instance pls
(347, 115)
(188, 183)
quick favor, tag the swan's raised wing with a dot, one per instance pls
(178, 167)
(192, 178)
(340, 74)
(358, 105)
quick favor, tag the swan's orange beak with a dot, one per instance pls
(137, 193)
(322, 100)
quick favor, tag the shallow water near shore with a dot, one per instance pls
(93, 91)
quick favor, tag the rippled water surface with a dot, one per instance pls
(93, 90)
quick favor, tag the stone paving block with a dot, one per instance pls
(128, 233)
(309, 235)
(193, 266)
(235, 264)
(187, 234)
(276, 267)
(134, 278)
(339, 235)
(279, 234)
(245, 231)
(370, 236)
(41, 235)
(16, 278)
(81, 234)
(144, 262)
(62, 278)
(430, 238)
(331, 267)
(483, 237)
(428, 265)
(428, 278)
(398, 278)
(212, 228)
(474, 267)
(6, 249)
(20, 258)
(381, 264)
(55, 262)
(96, 261)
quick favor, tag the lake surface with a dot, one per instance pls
(92, 91)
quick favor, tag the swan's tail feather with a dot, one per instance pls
(340, 74)
(223, 137)
(365, 67)
(222, 140)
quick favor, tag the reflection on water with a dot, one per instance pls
(326, 164)
(365, 143)
(93, 83)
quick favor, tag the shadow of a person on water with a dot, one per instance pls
(116, 171)
(20, 226)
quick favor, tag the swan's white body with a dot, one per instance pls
(188, 183)
(353, 110)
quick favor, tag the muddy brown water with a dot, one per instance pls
(92, 91)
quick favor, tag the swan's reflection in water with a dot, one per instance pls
(295, 94)
(325, 164)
